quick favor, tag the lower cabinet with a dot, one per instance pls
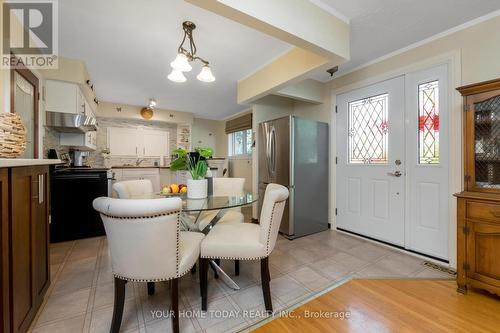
(28, 247)
(478, 243)
(153, 174)
(4, 254)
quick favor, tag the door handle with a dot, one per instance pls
(41, 189)
(273, 151)
(395, 174)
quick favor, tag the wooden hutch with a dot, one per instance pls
(478, 232)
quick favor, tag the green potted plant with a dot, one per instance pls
(194, 162)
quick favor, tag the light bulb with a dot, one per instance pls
(206, 75)
(176, 76)
(181, 63)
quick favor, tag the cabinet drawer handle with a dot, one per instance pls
(495, 213)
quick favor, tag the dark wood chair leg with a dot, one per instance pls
(204, 283)
(216, 275)
(265, 279)
(175, 305)
(236, 267)
(151, 288)
(118, 305)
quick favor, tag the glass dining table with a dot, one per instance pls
(192, 210)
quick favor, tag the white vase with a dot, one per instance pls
(197, 189)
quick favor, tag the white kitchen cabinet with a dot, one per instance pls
(165, 177)
(155, 143)
(81, 141)
(152, 174)
(137, 142)
(64, 97)
(123, 142)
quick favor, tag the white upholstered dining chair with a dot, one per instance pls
(225, 186)
(133, 188)
(246, 241)
(146, 245)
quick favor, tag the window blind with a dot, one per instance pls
(239, 124)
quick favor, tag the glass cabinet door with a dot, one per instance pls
(484, 162)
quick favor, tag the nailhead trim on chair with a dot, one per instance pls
(140, 217)
(267, 245)
(271, 224)
(177, 255)
(178, 212)
(235, 258)
(152, 280)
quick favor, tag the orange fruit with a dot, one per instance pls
(174, 188)
(184, 189)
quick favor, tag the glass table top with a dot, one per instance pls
(209, 203)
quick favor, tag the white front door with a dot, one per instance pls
(392, 161)
(427, 161)
(370, 153)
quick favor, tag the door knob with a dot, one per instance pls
(395, 174)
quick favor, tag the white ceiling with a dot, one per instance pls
(128, 47)
(379, 27)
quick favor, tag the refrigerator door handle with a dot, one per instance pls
(273, 151)
(268, 154)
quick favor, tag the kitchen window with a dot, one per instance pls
(240, 143)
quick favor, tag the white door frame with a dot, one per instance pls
(455, 184)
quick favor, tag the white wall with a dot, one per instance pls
(210, 133)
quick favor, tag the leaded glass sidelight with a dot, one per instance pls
(428, 129)
(368, 130)
(487, 142)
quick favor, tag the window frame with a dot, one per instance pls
(232, 144)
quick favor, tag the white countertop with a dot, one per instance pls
(18, 162)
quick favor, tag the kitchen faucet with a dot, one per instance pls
(138, 161)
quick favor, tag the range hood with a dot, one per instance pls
(70, 122)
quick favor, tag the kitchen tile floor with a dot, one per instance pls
(80, 298)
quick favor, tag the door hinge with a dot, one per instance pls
(467, 178)
(336, 160)
(336, 212)
(336, 109)
(466, 107)
(466, 230)
(466, 266)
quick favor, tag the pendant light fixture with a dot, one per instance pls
(181, 63)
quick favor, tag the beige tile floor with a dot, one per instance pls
(80, 298)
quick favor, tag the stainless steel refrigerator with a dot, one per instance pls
(294, 152)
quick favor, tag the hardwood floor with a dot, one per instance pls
(396, 306)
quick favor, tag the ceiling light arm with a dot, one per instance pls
(206, 63)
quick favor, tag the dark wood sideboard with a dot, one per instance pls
(478, 225)
(24, 241)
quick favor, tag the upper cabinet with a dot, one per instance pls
(155, 143)
(482, 136)
(65, 97)
(123, 141)
(129, 142)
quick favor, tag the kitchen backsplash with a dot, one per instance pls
(95, 158)
(51, 141)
